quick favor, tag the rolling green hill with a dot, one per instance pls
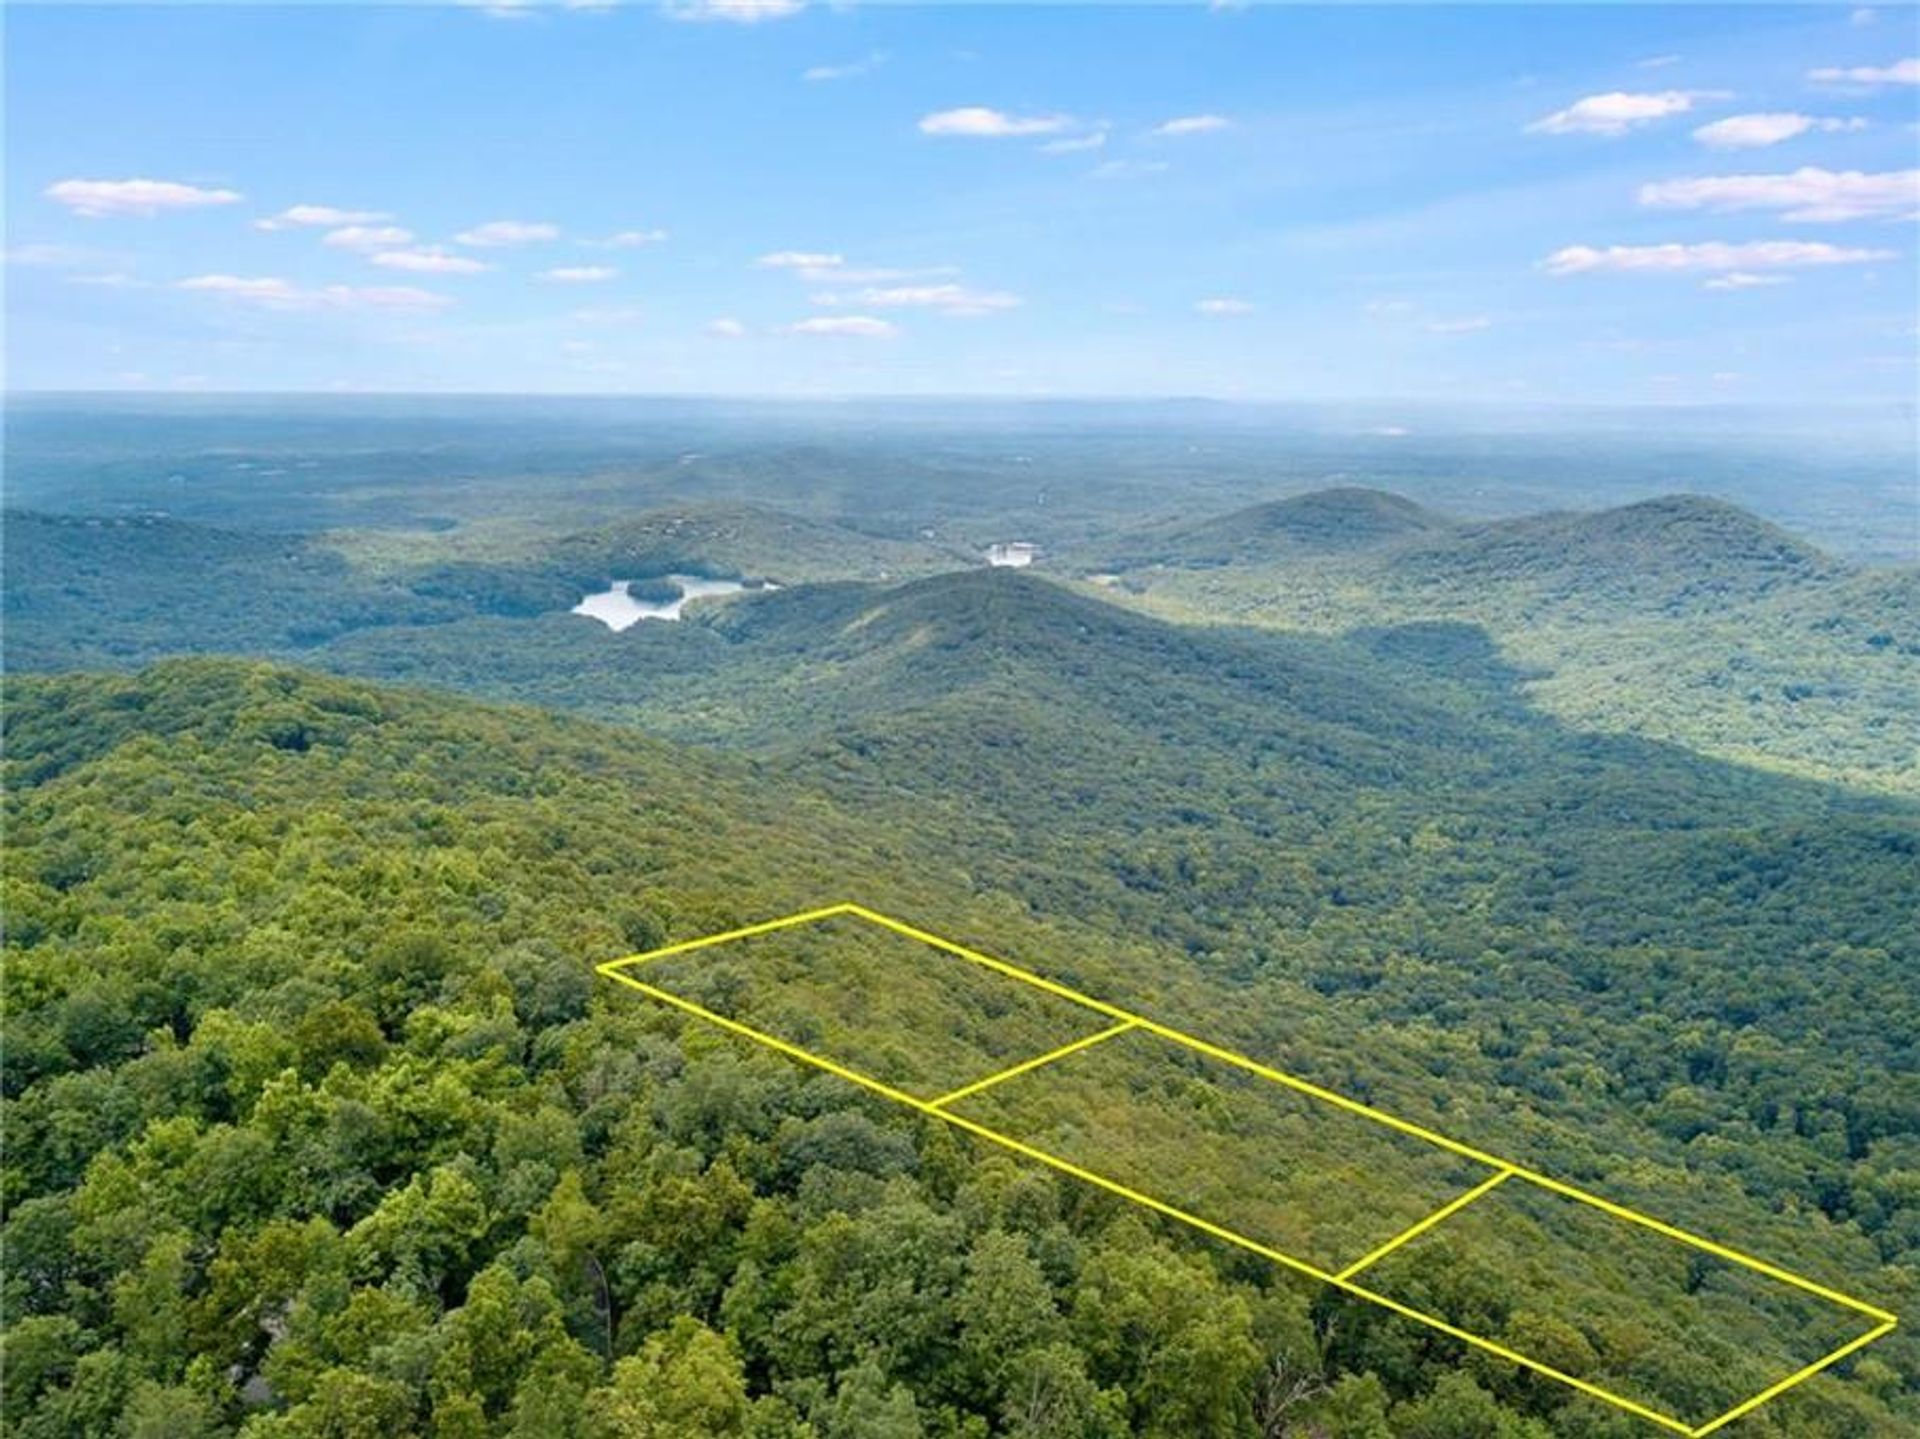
(1321, 522)
(736, 540)
(1681, 619)
(123, 591)
(1672, 555)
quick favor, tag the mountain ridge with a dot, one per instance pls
(1317, 522)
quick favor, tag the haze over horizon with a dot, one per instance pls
(1607, 207)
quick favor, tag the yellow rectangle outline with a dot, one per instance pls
(1027, 1066)
(1127, 1020)
(1415, 1230)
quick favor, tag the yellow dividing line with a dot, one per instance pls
(1748, 1406)
(1126, 1019)
(1048, 1058)
(1353, 1106)
(686, 946)
(1443, 1212)
(1052, 1161)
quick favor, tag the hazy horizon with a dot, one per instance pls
(1842, 479)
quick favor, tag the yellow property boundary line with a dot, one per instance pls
(1126, 1020)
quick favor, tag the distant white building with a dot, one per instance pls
(1014, 555)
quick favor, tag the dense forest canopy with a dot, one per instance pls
(1588, 837)
(320, 1123)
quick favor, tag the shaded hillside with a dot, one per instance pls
(547, 576)
(1681, 619)
(1322, 522)
(1679, 553)
(780, 669)
(117, 592)
(743, 541)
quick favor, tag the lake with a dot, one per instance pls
(617, 610)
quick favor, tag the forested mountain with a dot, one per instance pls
(1682, 618)
(1674, 553)
(111, 592)
(1324, 521)
(322, 1126)
(741, 539)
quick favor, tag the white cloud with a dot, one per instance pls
(980, 122)
(947, 299)
(821, 74)
(1194, 125)
(97, 199)
(1712, 255)
(1750, 132)
(1092, 140)
(1809, 194)
(738, 12)
(1617, 112)
(1863, 17)
(366, 237)
(383, 297)
(578, 274)
(1472, 324)
(800, 260)
(319, 217)
(820, 268)
(109, 280)
(429, 260)
(726, 328)
(502, 233)
(1224, 305)
(1657, 62)
(47, 256)
(628, 240)
(1900, 72)
(272, 292)
(862, 327)
(1125, 169)
(1744, 280)
(872, 274)
(501, 9)
(266, 289)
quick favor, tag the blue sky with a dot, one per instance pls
(1618, 204)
